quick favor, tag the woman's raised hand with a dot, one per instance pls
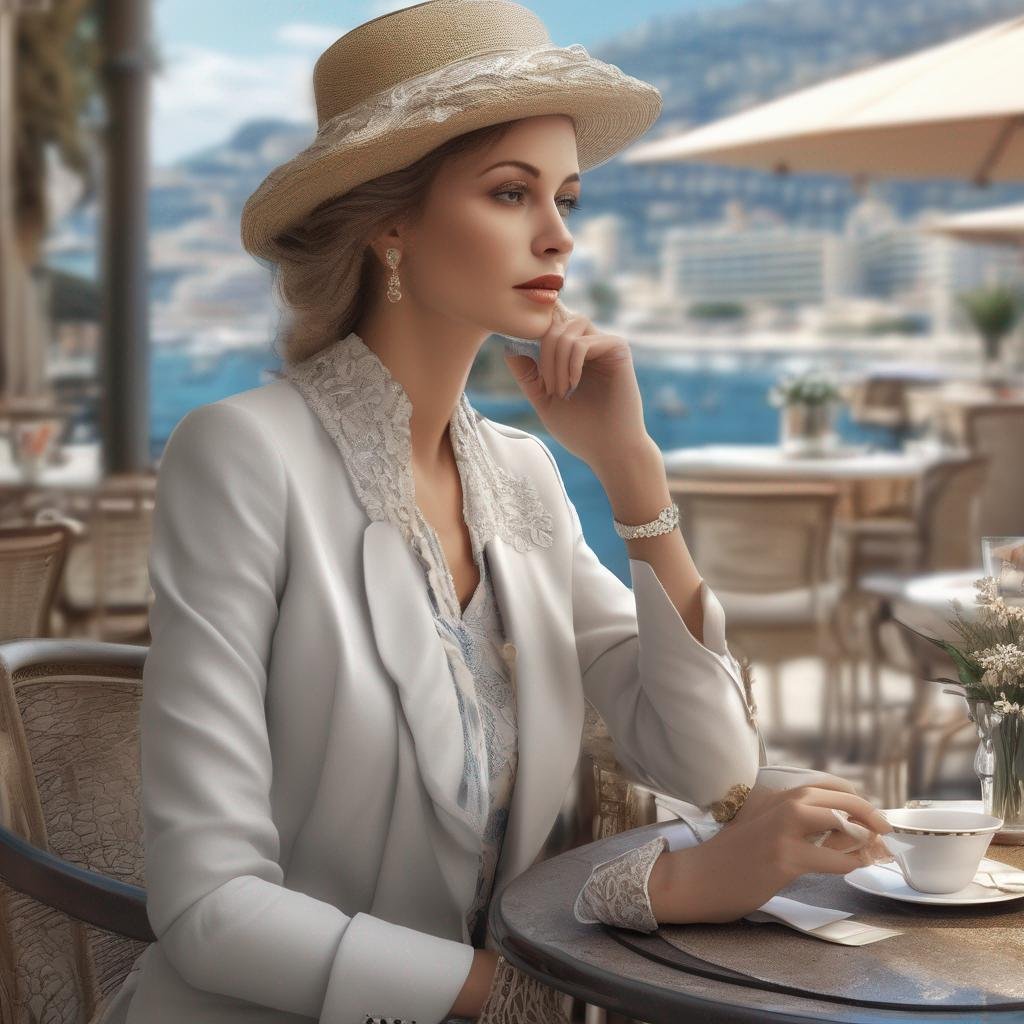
(762, 850)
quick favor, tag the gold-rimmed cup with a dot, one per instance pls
(938, 851)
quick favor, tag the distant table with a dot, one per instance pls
(768, 460)
(83, 469)
(945, 408)
(853, 469)
(644, 977)
(925, 602)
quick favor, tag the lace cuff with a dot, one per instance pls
(616, 891)
(519, 998)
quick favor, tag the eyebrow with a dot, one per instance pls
(526, 167)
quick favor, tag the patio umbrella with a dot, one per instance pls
(999, 225)
(951, 111)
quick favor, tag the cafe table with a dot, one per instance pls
(865, 478)
(950, 963)
(80, 469)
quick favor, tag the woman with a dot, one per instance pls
(376, 618)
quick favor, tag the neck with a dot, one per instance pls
(430, 357)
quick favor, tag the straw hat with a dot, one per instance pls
(396, 87)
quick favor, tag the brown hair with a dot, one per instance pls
(324, 269)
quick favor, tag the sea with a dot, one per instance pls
(690, 398)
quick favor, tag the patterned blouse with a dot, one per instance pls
(480, 638)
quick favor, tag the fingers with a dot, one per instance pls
(555, 350)
(821, 858)
(808, 819)
(568, 343)
(859, 808)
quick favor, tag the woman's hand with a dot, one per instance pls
(603, 419)
(762, 797)
(761, 851)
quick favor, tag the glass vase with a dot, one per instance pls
(807, 428)
(999, 764)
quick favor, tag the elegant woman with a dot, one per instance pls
(377, 620)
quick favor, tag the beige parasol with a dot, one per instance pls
(998, 224)
(951, 111)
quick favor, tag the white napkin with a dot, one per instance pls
(819, 922)
(1008, 880)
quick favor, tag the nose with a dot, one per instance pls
(557, 238)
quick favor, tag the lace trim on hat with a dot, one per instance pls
(439, 94)
(367, 413)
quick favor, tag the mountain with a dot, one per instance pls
(709, 64)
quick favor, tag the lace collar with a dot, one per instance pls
(367, 414)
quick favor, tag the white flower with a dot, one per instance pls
(996, 606)
(1004, 665)
(1005, 707)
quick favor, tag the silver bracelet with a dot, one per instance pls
(668, 520)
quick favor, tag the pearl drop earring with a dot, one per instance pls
(393, 256)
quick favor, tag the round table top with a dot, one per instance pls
(82, 469)
(535, 929)
(769, 460)
(926, 602)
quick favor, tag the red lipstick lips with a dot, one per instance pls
(551, 281)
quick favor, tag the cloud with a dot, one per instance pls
(306, 36)
(202, 95)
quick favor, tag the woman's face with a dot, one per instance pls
(488, 226)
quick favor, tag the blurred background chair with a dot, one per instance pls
(940, 534)
(996, 430)
(32, 560)
(768, 551)
(73, 917)
(105, 592)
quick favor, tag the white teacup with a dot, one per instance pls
(938, 850)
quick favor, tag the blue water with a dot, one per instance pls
(725, 393)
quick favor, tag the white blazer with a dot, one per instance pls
(300, 733)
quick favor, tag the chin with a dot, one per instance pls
(527, 325)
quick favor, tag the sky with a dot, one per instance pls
(228, 61)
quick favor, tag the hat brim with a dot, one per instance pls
(610, 111)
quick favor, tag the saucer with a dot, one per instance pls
(880, 881)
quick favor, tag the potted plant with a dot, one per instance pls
(992, 312)
(989, 658)
(807, 404)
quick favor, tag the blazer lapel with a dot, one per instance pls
(537, 617)
(412, 653)
(536, 611)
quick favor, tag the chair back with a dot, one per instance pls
(947, 509)
(997, 431)
(880, 400)
(32, 559)
(759, 537)
(107, 571)
(69, 785)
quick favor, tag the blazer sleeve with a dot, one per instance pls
(675, 707)
(215, 893)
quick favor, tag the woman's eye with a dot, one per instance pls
(568, 202)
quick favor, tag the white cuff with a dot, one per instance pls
(387, 970)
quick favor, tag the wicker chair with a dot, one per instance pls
(767, 550)
(72, 907)
(105, 593)
(996, 430)
(32, 559)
